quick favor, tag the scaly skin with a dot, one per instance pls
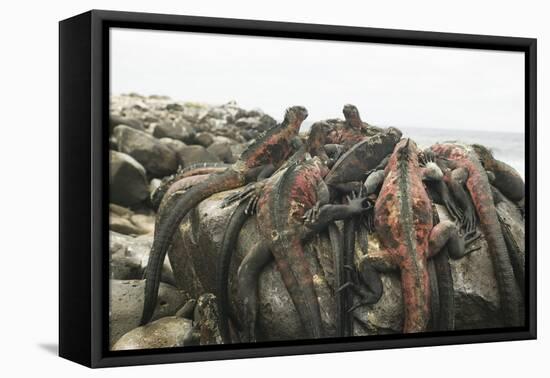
(343, 134)
(480, 191)
(283, 201)
(363, 157)
(268, 152)
(404, 224)
(352, 131)
(193, 170)
(281, 209)
(298, 194)
(506, 179)
(403, 221)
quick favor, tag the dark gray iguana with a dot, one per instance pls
(259, 160)
(292, 206)
(364, 156)
(467, 170)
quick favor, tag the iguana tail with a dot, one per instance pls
(510, 301)
(340, 277)
(442, 285)
(346, 317)
(297, 277)
(168, 224)
(445, 292)
(229, 243)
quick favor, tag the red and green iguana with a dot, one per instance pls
(259, 160)
(362, 157)
(291, 207)
(467, 170)
(340, 136)
(403, 219)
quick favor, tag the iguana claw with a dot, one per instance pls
(312, 214)
(238, 196)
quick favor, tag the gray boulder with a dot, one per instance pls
(195, 253)
(167, 332)
(127, 180)
(175, 130)
(115, 120)
(204, 139)
(206, 320)
(256, 121)
(174, 107)
(196, 154)
(222, 151)
(125, 221)
(126, 305)
(129, 257)
(158, 159)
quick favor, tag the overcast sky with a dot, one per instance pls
(394, 85)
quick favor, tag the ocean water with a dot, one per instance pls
(507, 147)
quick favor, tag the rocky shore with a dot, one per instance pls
(151, 138)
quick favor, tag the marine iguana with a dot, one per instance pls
(362, 157)
(336, 137)
(464, 160)
(506, 179)
(260, 159)
(350, 170)
(441, 280)
(292, 206)
(193, 170)
(353, 130)
(404, 224)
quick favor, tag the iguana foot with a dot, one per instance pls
(468, 223)
(238, 196)
(469, 238)
(250, 193)
(454, 211)
(365, 282)
(311, 215)
(356, 202)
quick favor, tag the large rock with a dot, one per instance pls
(222, 151)
(195, 253)
(167, 332)
(127, 222)
(204, 139)
(129, 257)
(115, 120)
(190, 155)
(127, 180)
(206, 320)
(158, 159)
(126, 305)
(175, 130)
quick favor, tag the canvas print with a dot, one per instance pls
(280, 189)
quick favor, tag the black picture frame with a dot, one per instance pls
(83, 166)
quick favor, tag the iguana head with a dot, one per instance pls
(295, 115)
(317, 135)
(484, 154)
(395, 133)
(406, 150)
(351, 114)
(428, 161)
